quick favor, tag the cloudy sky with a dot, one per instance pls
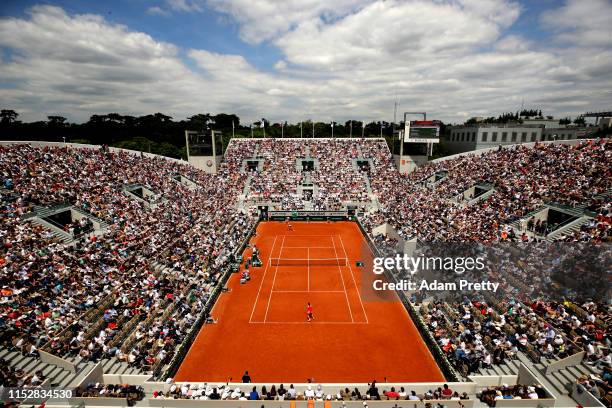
(301, 59)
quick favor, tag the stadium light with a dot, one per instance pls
(263, 126)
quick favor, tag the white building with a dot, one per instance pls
(547, 123)
(480, 136)
(605, 123)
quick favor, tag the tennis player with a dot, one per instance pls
(309, 312)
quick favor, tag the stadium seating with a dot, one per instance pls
(128, 294)
(144, 272)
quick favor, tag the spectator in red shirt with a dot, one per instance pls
(392, 395)
(447, 392)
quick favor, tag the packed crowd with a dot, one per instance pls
(476, 335)
(337, 178)
(516, 392)
(524, 179)
(133, 292)
(333, 182)
(132, 393)
(599, 386)
(318, 393)
(107, 296)
(19, 378)
(480, 331)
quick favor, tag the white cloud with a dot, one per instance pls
(582, 22)
(185, 5)
(158, 11)
(280, 65)
(452, 58)
(265, 19)
(394, 30)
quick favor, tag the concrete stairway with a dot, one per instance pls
(568, 229)
(103, 224)
(559, 382)
(562, 380)
(510, 367)
(481, 197)
(114, 366)
(603, 195)
(359, 151)
(58, 377)
(245, 192)
(59, 233)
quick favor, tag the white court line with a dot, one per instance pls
(309, 247)
(308, 269)
(354, 281)
(328, 236)
(308, 291)
(343, 285)
(274, 280)
(311, 322)
(262, 280)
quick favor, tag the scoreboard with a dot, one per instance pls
(421, 131)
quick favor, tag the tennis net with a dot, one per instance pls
(308, 262)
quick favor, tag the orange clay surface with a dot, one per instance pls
(261, 325)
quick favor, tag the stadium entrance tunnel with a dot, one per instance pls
(253, 164)
(263, 212)
(363, 165)
(308, 165)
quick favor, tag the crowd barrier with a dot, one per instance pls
(333, 388)
(98, 402)
(489, 381)
(58, 361)
(316, 404)
(540, 403)
(308, 215)
(572, 360)
(584, 397)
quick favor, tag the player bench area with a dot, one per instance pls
(302, 269)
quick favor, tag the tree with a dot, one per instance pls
(565, 121)
(200, 121)
(8, 116)
(580, 121)
(225, 121)
(57, 121)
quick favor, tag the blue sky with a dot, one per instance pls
(300, 59)
(205, 28)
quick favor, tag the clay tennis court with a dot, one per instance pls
(262, 327)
